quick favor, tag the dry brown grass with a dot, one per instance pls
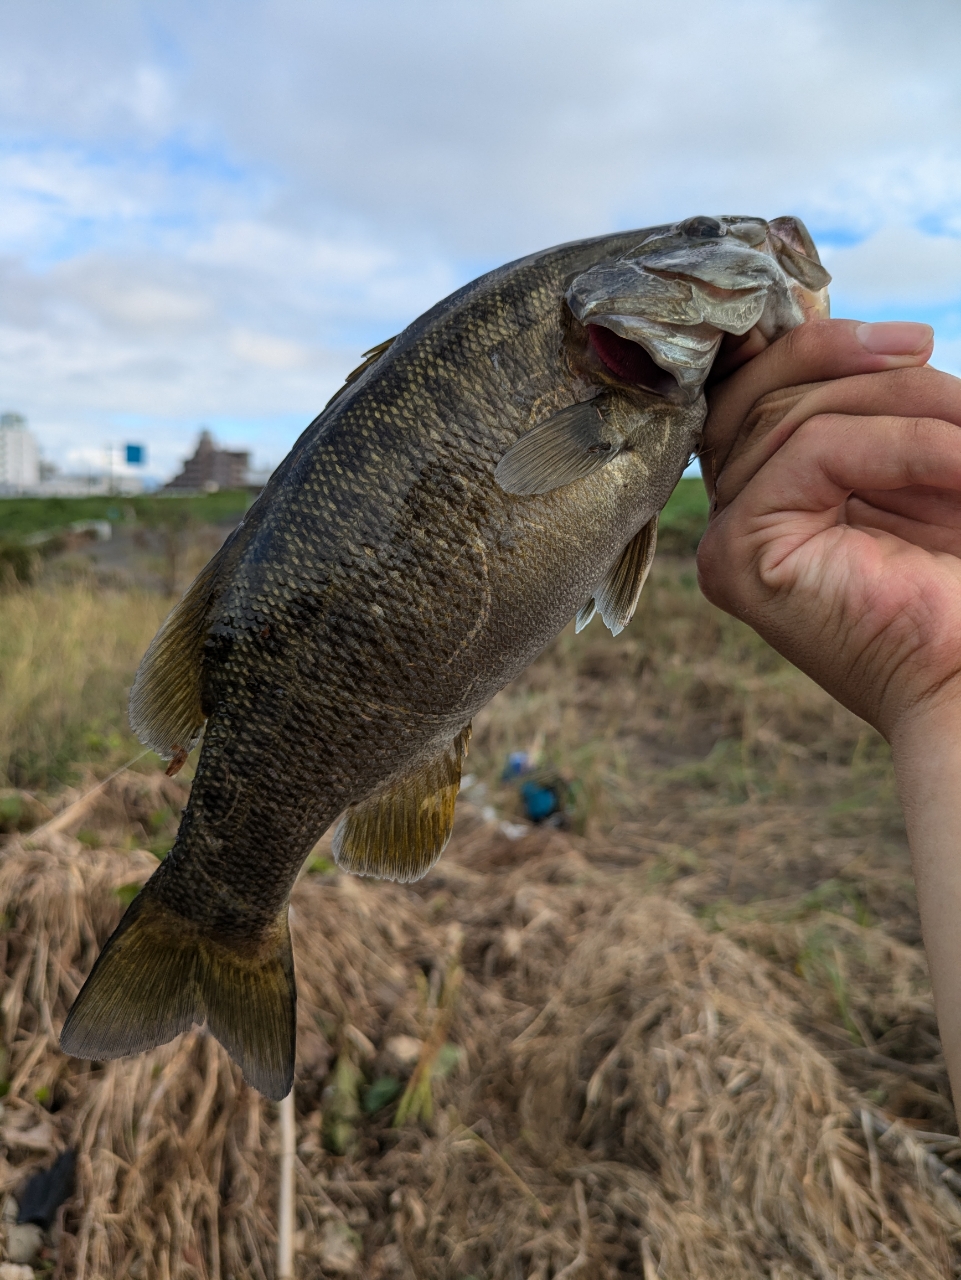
(610, 1043)
(694, 1038)
(67, 657)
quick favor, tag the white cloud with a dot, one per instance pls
(898, 266)
(267, 351)
(143, 305)
(208, 211)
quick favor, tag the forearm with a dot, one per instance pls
(927, 760)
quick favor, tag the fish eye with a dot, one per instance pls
(701, 228)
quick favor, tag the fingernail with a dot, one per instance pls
(894, 337)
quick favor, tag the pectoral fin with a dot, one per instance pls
(571, 445)
(617, 596)
(399, 832)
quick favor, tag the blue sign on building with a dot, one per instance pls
(136, 455)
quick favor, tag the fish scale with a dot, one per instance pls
(484, 477)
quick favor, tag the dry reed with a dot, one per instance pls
(632, 1091)
(694, 1039)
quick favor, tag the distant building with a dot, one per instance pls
(19, 456)
(95, 485)
(211, 469)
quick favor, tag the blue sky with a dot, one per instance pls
(209, 210)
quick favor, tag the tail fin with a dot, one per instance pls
(158, 974)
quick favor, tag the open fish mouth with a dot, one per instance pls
(656, 315)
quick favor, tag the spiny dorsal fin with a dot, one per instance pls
(165, 704)
(569, 446)
(370, 357)
(399, 832)
(159, 974)
(617, 596)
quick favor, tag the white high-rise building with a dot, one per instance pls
(19, 456)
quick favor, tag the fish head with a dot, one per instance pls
(654, 316)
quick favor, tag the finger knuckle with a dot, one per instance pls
(812, 338)
(923, 432)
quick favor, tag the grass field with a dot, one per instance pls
(681, 522)
(21, 517)
(689, 1035)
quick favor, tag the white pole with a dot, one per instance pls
(286, 1209)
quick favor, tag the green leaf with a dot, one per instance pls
(11, 808)
(385, 1089)
(341, 1106)
(447, 1059)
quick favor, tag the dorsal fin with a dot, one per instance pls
(165, 701)
(370, 357)
(399, 832)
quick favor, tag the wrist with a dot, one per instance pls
(927, 762)
(928, 729)
(926, 751)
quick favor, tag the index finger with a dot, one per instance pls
(816, 351)
(910, 393)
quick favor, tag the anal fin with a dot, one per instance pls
(400, 831)
(617, 596)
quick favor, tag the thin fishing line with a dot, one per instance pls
(57, 817)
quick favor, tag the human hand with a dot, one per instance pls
(836, 531)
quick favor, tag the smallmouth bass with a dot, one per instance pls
(495, 470)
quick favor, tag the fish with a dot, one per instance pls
(492, 472)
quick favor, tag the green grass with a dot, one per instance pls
(21, 517)
(681, 525)
(684, 518)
